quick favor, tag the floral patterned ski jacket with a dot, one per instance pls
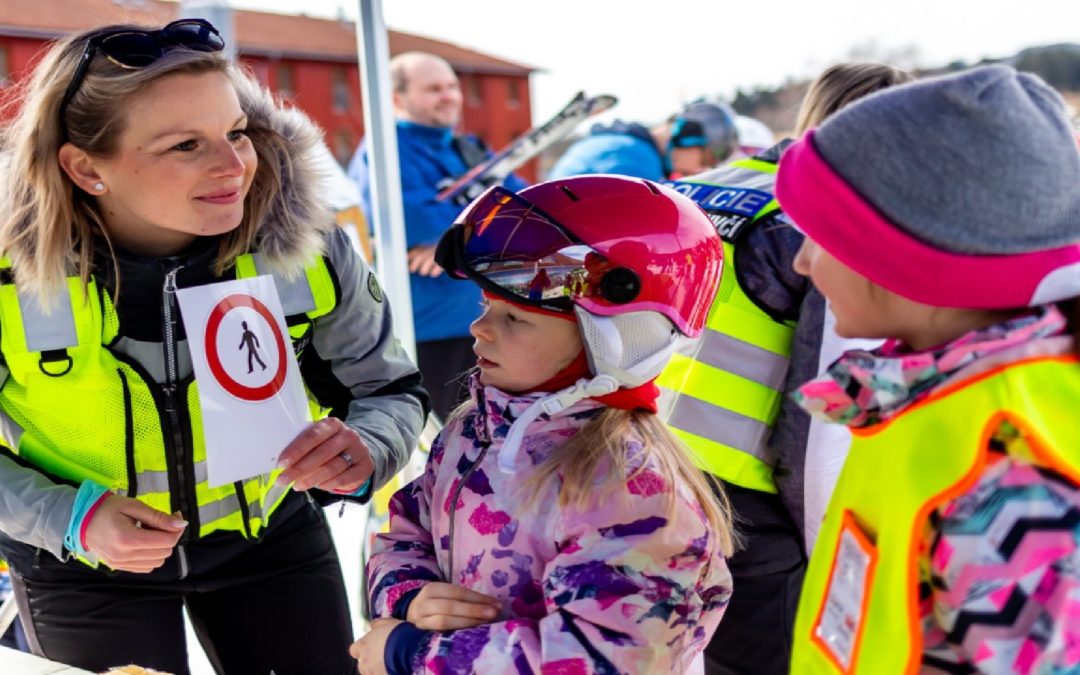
(622, 586)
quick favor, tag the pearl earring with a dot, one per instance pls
(98, 187)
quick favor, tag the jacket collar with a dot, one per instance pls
(441, 136)
(500, 409)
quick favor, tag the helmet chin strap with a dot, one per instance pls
(552, 404)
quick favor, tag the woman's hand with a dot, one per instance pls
(128, 535)
(442, 606)
(370, 650)
(328, 455)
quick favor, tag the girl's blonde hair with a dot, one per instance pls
(841, 84)
(47, 224)
(601, 445)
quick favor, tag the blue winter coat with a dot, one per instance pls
(443, 307)
(621, 148)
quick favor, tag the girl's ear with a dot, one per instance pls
(80, 168)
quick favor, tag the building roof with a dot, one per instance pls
(258, 33)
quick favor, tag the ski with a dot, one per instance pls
(526, 146)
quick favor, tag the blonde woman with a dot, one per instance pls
(142, 162)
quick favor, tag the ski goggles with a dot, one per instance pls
(133, 48)
(511, 248)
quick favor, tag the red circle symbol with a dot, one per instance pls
(213, 324)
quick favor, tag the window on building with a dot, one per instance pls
(340, 89)
(473, 91)
(5, 67)
(344, 146)
(513, 93)
(285, 86)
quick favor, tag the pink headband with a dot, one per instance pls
(839, 220)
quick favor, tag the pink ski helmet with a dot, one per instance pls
(608, 244)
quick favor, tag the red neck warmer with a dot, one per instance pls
(643, 397)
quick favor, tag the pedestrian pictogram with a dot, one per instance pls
(241, 315)
(251, 341)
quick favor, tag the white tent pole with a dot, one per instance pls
(385, 178)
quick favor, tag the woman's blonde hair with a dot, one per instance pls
(47, 224)
(841, 84)
(601, 446)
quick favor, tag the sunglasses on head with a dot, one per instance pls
(133, 48)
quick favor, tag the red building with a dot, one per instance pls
(309, 61)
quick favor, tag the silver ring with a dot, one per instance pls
(348, 460)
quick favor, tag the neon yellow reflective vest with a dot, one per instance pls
(859, 607)
(78, 410)
(722, 395)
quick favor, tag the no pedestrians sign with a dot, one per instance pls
(244, 315)
(251, 395)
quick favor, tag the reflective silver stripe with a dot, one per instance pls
(716, 424)
(10, 431)
(48, 331)
(260, 509)
(224, 507)
(147, 482)
(148, 354)
(295, 294)
(744, 359)
(228, 505)
(740, 177)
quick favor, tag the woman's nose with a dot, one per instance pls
(227, 160)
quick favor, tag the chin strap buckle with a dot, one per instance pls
(596, 386)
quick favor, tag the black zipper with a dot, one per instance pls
(244, 512)
(184, 475)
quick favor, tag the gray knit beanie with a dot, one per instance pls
(980, 162)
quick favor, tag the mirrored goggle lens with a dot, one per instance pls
(522, 251)
(556, 279)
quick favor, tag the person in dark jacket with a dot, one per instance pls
(769, 320)
(143, 162)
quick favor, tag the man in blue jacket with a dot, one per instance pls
(427, 104)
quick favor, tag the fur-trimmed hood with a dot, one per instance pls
(287, 142)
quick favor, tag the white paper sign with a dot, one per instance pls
(250, 391)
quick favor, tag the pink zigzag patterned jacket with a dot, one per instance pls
(616, 587)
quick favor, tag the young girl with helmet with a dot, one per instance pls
(559, 526)
(945, 215)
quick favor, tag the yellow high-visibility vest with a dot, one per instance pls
(722, 395)
(859, 610)
(78, 410)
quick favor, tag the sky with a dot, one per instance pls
(655, 56)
